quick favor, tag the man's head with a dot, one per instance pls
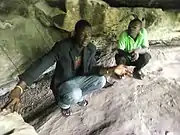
(134, 28)
(83, 32)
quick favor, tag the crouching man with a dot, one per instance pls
(133, 48)
(75, 75)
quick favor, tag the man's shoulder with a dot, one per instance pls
(124, 34)
(143, 31)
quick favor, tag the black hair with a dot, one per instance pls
(81, 24)
(136, 20)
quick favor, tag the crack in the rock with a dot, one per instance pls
(9, 132)
(101, 127)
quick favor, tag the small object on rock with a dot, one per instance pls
(83, 103)
(66, 112)
(138, 75)
(33, 86)
(169, 133)
(108, 84)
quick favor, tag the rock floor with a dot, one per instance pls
(129, 107)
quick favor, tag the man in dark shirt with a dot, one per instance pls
(75, 75)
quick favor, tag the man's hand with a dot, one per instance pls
(116, 71)
(135, 56)
(14, 103)
(122, 70)
(140, 50)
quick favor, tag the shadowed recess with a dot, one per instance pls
(61, 4)
(164, 4)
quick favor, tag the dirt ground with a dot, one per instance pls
(129, 107)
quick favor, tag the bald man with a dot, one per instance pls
(133, 48)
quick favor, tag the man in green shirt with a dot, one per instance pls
(133, 48)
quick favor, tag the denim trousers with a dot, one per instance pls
(73, 90)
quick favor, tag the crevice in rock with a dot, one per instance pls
(40, 115)
(10, 132)
(100, 128)
(61, 4)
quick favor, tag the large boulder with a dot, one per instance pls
(45, 13)
(22, 41)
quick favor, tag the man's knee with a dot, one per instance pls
(69, 93)
(72, 96)
(101, 81)
(98, 82)
(146, 57)
(120, 59)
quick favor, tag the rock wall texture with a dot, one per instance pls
(28, 29)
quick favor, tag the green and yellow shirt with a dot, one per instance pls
(128, 44)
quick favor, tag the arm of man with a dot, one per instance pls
(41, 64)
(145, 43)
(99, 70)
(142, 50)
(121, 42)
(31, 74)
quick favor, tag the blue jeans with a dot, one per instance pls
(72, 91)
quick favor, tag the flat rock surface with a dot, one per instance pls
(129, 107)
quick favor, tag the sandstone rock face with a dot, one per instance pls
(29, 29)
(45, 13)
(22, 41)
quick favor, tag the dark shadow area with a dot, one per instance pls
(41, 115)
(97, 130)
(61, 4)
(59, 20)
(10, 132)
(149, 19)
(164, 4)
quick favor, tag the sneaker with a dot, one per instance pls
(83, 103)
(66, 112)
(138, 75)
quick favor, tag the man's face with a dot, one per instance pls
(134, 29)
(84, 36)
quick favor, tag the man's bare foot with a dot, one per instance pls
(83, 103)
(66, 112)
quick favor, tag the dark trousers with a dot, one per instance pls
(123, 57)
